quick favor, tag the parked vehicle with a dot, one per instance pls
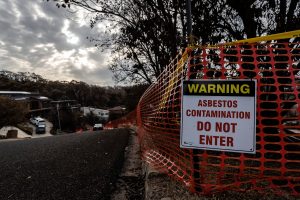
(32, 120)
(41, 128)
(39, 121)
(40, 124)
(98, 127)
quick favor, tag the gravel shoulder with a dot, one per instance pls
(131, 183)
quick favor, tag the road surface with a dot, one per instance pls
(75, 166)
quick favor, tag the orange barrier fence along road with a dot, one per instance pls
(126, 121)
(275, 165)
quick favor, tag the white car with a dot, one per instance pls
(37, 121)
(98, 127)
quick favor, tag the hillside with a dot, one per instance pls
(85, 94)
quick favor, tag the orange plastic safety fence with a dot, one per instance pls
(126, 121)
(276, 164)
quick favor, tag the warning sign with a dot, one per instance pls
(219, 115)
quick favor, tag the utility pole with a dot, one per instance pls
(195, 152)
(57, 107)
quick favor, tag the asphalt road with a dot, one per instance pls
(75, 166)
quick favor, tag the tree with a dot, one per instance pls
(150, 33)
(84, 94)
(267, 16)
(133, 95)
(235, 19)
(12, 112)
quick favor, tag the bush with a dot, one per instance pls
(12, 112)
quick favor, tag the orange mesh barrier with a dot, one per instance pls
(127, 121)
(276, 164)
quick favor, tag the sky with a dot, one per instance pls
(38, 37)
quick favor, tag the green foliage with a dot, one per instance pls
(11, 112)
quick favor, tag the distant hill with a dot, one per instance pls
(22, 76)
(85, 94)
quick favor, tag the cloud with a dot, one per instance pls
(38, 37)
(71, 37)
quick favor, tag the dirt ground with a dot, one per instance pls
(138, 181)
(161, 187)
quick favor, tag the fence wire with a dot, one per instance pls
(276, 164)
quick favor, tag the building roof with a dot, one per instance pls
(92, 109)
(117, 108)
(21, 98)
(15, 92)
(23, 95)
(63, 101)
(43, 98)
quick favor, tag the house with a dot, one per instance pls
(38, 104)
(118, 110)
(35, 103)
(100, 113)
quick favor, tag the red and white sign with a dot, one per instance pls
(219, 115)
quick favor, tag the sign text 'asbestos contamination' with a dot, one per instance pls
(219, 115)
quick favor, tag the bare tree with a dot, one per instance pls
(148, 34)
